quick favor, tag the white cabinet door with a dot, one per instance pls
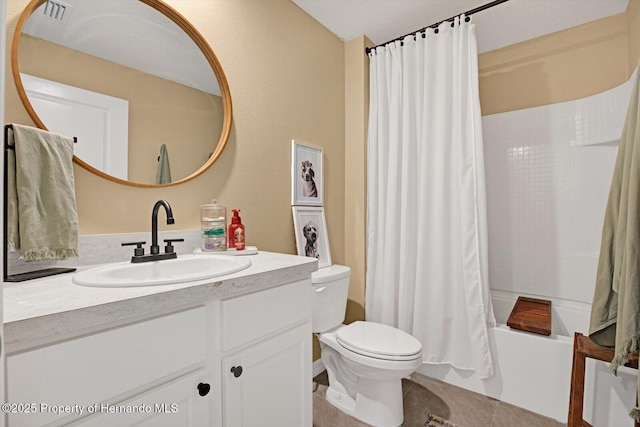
(102, 366)
(183, 402)
(269, 383)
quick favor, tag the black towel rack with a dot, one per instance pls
(21, 277)
(11, 147)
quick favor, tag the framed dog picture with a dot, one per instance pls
(311, 234)
(306, 175)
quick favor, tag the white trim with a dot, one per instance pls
(101, 122)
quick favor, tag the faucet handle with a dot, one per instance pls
(169, 248)
(139, 250)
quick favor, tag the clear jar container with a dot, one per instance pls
(213, 224)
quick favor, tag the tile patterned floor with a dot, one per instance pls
(424, 395)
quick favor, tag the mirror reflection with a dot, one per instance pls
(125, 79)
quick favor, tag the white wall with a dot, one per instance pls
(548, 172)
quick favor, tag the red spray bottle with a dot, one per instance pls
(236, 232)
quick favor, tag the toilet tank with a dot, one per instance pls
(329, 298)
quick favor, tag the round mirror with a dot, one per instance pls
(133, 80)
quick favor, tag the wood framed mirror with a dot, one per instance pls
(154, 78)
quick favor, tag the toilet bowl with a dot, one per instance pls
(365, 361)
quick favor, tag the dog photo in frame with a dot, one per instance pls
(311, 234)
(306, 174)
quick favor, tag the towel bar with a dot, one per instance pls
(11, 147)
(5, 272)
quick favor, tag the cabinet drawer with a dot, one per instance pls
(251, 317)
(98, 367)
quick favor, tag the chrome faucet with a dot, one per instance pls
(155, 254)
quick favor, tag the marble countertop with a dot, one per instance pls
(53, 306)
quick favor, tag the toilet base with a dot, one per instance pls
(378, 403)
(367, 388)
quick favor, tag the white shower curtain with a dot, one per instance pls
(426, 226)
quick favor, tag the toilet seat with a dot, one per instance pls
(378, 341)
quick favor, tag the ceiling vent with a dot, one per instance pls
(57, 10)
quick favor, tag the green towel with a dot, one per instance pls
(163, 176)
(615, 312)
(42, 221)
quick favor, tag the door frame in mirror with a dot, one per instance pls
(197, 38)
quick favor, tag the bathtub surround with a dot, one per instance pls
(548, 172)
(427, 248)
(615, 312)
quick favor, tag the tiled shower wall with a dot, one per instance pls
(548, 172)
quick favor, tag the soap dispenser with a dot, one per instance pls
(236, 232)
(213, 224)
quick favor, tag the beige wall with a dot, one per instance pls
(187, 120)
(356, 121)
(562, 66)
(290, 78)
(633, 28)
(286, 77)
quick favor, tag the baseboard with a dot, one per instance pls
(317, 368)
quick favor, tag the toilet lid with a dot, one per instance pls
(378, 340)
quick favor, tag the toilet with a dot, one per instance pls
(365, 361)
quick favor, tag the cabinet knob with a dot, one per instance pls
(203, 389)
(236, 370)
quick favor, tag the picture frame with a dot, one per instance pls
(311, 233)
(307, 178)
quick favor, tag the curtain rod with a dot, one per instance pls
(467, 13)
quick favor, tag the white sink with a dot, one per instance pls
(185, 268)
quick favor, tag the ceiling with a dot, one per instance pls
(502, 25)
(131, 26)
(126, 32)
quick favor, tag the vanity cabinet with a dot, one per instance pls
(266, 359)
(268, 384)
(153, 364)
(239, 359)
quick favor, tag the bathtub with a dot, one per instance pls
(533, 371)
(548, 174)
